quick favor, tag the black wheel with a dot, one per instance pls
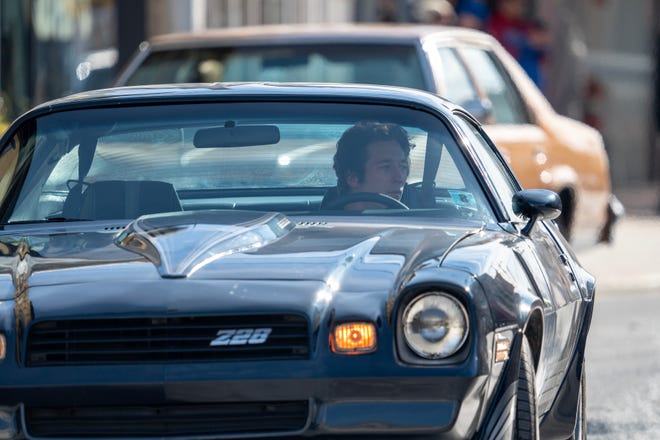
(381, 199)
(580, 430)
(527, 425)
(565, 219)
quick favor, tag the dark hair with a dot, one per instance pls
(351, 155)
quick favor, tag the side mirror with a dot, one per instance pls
(481, 109)
(536, 204)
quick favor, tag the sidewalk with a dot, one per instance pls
(640, 199)
(632, 261)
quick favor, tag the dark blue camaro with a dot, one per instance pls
(168, 270)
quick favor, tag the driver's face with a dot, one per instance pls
(385, 172)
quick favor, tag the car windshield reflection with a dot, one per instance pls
(121, 163)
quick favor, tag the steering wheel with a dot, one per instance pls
(382, 199)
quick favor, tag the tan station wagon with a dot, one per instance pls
(545, 149)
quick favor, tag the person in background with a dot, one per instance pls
(472, 13)
(526, 40)
(440, 12)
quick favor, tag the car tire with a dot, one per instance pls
(580, 430)
(565, 219)
(527, 425)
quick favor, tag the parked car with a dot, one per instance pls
(170, 271)
(469, 67)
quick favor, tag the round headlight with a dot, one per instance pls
(435, 325)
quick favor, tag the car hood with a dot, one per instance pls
(225, 245)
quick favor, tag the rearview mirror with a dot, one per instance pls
(236, 136)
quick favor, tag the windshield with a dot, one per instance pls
(123, 162)
(396, 65)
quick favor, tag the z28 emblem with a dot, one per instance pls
(242, 336)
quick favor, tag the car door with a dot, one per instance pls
(545, 263)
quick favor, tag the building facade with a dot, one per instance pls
(601, 70)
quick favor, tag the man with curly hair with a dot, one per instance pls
(372, 157)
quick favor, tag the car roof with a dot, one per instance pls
(213, 92)
(311, 33)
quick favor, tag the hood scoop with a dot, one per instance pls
(180, 244)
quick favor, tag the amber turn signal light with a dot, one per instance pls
(502, 350)
(3, 347)
(353, 338)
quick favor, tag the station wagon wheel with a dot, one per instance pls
(580, 430)
(565, 220)
(527, 427)
(381, 199)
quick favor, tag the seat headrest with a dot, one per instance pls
(119, 199)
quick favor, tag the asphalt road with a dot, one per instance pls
(623, 367)
(623, 349)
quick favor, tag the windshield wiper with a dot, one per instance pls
(46, 220)
(65, 219)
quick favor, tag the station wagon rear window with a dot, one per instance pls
(396, 65)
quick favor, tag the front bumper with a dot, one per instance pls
(262, 403)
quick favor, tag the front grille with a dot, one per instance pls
(164, 421)
(167, 339)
